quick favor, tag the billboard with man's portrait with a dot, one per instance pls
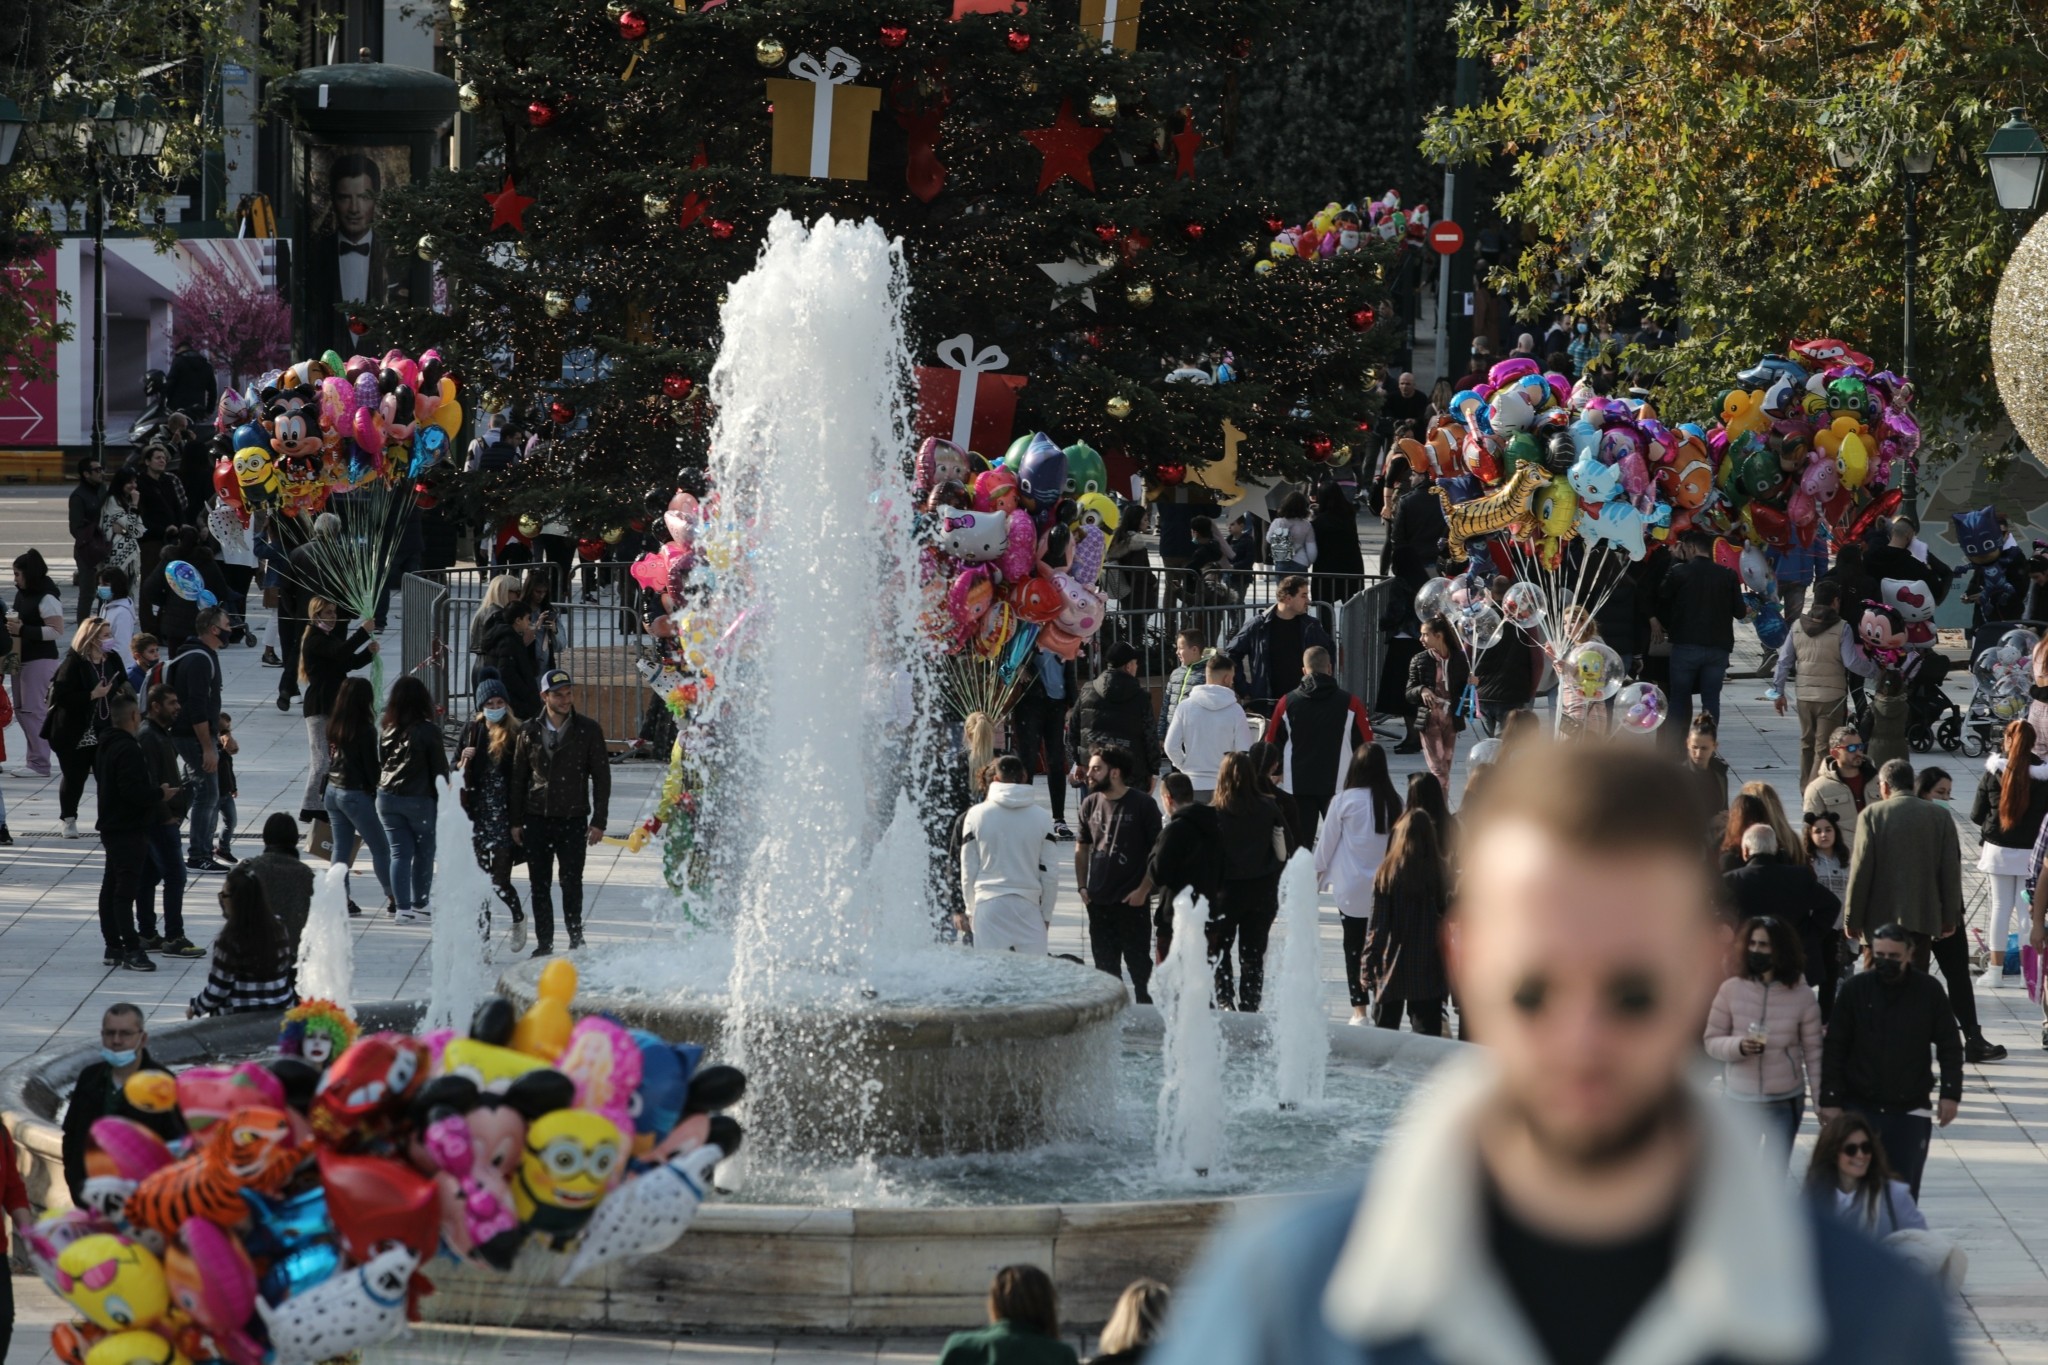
(350, 260)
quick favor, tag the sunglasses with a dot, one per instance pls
(1629, 997)
(1855, 1148)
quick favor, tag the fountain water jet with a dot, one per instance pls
(327, 951)
(1191, 1106)
(458, 954)
(1301, 1035)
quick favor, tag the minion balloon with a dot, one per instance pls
(572, 1158)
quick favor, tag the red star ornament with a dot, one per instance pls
(508, 207)
(695, 205)
(1065, 146)
(1184, 144)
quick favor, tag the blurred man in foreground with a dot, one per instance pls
(1566, 1196)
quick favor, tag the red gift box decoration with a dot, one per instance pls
(965, 401)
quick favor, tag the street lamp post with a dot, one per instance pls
(2018, 161)
(1914, 168)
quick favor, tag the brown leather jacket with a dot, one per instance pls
(571, 781)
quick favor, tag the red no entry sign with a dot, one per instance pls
(1446, 237)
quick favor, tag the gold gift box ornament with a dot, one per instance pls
(823, 123)
(1113, 23)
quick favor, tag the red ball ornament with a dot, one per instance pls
(1019, 41)
(540, 113)
(1319, 447)
(1365, 426)
(677, 385)
(1106, 231)
(357, 326)
(1241, 49)
(423, 497)
(1362, 319)
(561, 412)
(1171, 474)
(1193, 231)
(632, 26)
(589, 551)
(1095, 339)
(721, 228)
(1275, 224)
(894, 35)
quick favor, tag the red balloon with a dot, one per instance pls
(374, 1199)
(1883, 505)
(1772, 524)
(1036, 600)
(1171, 474)
(632, 26)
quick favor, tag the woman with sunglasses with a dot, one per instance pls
(1850, 1177)
(1844, 783)
(1764, 1028)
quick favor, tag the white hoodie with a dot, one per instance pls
(1206, 725)
(1009, 872)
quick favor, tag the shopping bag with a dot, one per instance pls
(2030, 968)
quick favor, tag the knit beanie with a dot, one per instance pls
(489, 688)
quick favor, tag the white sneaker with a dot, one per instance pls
(411, 916)
(1359, 1021)
(517, 943)
(71, 828)
(1993, 978)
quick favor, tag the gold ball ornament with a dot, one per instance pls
(1118, 406)
(1139, 295)
(612, 535)
(558, 303)
(656, 205)
(458, 10)
(1103, 106)
(1247, 248)
(491, 400)
(529, 525)
(1028, 83)
(1264, 267)
(770, 52)
(2019, 339)
(1340, 457)
(429, 247)
(468, 98)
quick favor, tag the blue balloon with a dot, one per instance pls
(429, 448)
(296, 1236)
(250, 434)
(185, 581)
(1042, 473)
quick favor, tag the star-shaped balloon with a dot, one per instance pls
(1185, 142)
(1075, 272)
(1065, 146)
(508, 207)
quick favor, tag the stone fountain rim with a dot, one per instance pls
(30, 1097)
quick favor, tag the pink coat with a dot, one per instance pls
(1790, 1062)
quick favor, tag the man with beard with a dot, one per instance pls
(1119, 825)
(1566, 1195)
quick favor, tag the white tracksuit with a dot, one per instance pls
(1009, 870)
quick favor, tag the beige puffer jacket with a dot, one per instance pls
(1790, 1062)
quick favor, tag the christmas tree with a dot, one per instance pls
(1055, 172)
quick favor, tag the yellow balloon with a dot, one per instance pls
(448, 416)
(1853, 460)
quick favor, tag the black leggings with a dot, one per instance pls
(1244, 914)
(1355, 927)
(1039, 720)
(499, 868)
(1427, 1016)
(77, 766)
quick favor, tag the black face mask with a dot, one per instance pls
(1758, 963)
(1890, 970)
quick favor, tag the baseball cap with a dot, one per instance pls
(554, 678)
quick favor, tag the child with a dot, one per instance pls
(228, 750)
(145, 649)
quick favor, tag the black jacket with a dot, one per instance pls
(165, 770)
(357, 764)
(127, 790)
(413, 761)
(1188, 854)
(1252, 650)
(326, 658)
(304, 581)
(95, 1098)
(1875, 1052)
(1412, 541)
(195, 672)
(1505, 674)
(1248, 852)
(1699, 603)
(1789, 892)
(73, 712)
(513, 658)
(1318, 727)
(1115, 708)
(1985, 810)
(572, 781)
(1422, 675)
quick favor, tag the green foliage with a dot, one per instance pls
(1690, 145)
(652, 287)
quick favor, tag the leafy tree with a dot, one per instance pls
(643, 138)
(1689, 147)
(238, 325)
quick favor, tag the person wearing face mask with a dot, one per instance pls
(124, 1050)
(484, 757)
(114, 605)
(1584, 347)
(1906, 869)
(1875, 1059)
(1764, 1029)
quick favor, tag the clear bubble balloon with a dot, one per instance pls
(1525, 603)
(2008, 700)
(1999, 664)
(1596, 670)
(1640, 707)
(2021, 639)
(1480, 627)
(1434, 599)
(1484, 752)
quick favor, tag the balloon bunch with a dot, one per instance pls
(1011, 552)
(2006, 673)
(292, 1221)
(328, 425)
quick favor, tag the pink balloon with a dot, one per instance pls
(1088, 551)
(1021, 552)
(229, 1279)
(337, 406)
(681, 517)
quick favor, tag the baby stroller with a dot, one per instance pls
(1932, 716)
(1983, 720)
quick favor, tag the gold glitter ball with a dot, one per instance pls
(557, 303)
(468, 98)
(770, 52)
(1118, 406)
(529, 525)
(2019, 339)
(1103, 106)
(656, 205)
(429, 246)
(612, 535)
(1139, 295)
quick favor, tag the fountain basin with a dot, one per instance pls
(753, 1268)
(952, 1051)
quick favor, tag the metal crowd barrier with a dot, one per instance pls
(599, 643)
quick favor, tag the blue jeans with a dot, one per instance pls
(205, 800)
(409, 826)
(1695, 668)
(353, 815)
(166, 865)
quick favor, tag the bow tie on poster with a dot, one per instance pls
(361, 248)
(838, 68)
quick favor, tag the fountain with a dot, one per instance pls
(918, 1115)
(1301, 1037)
(459, 969)
(327, 952)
